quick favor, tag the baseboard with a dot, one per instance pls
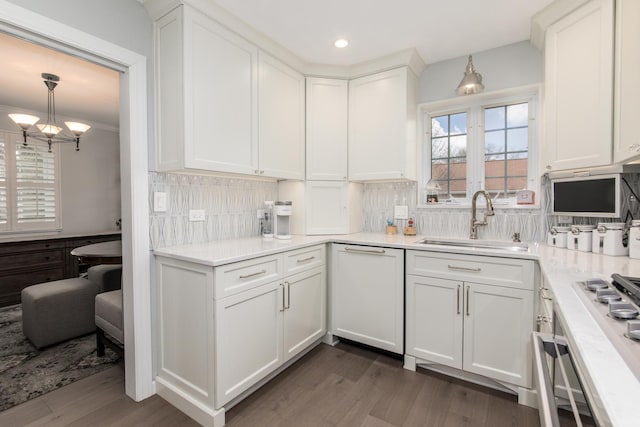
(195, 409)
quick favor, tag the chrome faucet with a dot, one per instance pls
(489, 212)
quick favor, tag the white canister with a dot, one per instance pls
(614, 237)
(581, 237)
(558, 236)
(572, 238)
(634, 239)
(597, 240)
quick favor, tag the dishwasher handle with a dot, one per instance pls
(543, 382)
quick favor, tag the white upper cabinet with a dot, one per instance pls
(281, 112)
(327, 111)
(382, 131)
(627, 91)
(579, 87)
(223, 105)
(206, 95)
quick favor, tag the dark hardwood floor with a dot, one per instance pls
(340, 386)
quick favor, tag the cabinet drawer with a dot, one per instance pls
(240, 276)
(515, 273)
(304, 259)
(31, 259)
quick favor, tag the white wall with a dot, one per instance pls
(509, 66)
(90, 183)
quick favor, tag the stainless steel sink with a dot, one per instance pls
(482, 244)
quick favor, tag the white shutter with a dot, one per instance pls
(36, 187)
(3, 182)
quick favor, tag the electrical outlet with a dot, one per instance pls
(159, 201)
(401, 212)
(196, 215)
(260, 213)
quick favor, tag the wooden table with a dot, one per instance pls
(100, 253)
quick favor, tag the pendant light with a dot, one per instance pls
(471, 82)
(49, 131)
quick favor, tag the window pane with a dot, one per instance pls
(494, 141)
(449, 152)
(506, 148)
(440, 148)
(440, 126)
(494, 118)
(458, 146)
(517, 139)
(458, 123)
(518, 115)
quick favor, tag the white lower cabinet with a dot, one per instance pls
(367, 295)
(472, 313)
(224, 329)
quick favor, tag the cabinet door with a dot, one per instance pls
(434, 320)
(627, 91)
(579, 87)
(248, 337)
(281, 127)
(367, 289)
(326, 207)
(497, 332)
(327, 110)
(305, 312)
(220, 104)
(378, 126)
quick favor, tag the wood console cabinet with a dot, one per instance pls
(24, 264)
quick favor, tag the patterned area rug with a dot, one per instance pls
(26, 372)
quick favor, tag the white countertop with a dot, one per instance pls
(608, 376)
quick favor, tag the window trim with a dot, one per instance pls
(12, 227)
(473, 105)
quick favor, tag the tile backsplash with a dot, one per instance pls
(230, 206)
(380, 198)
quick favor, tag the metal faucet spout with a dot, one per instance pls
(473, 234)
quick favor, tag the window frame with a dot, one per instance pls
(474, 106)
(12, 226)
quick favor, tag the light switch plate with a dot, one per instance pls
(159, 201)
(196, 214)
(401, 212)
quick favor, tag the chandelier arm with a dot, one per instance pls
(54, 139)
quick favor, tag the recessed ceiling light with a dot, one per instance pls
(340, 43)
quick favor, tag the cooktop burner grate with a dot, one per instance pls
(630, 286)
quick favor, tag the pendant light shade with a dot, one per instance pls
(471, 82)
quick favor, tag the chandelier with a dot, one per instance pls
(49, 131)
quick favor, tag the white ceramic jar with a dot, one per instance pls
(614, 244)
(634, 239)
(558, 236)
(580, 237)
(597, 240)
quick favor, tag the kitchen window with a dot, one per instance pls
(485, 141)
(29, 185)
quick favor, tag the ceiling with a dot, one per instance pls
(86, 91)
(438, 29)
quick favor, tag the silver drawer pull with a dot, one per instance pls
(455, 267)
(300, 261)
(257, 273)
(367, 251)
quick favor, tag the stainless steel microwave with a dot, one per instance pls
(593, 196)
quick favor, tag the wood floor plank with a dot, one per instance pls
(342, 386)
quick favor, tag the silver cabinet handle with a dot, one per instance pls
(288, 306)
(455, 267)
(458, 299)
(257, 273)
(367, 251)
(283, 305)
(468, 287)
(300, 261)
